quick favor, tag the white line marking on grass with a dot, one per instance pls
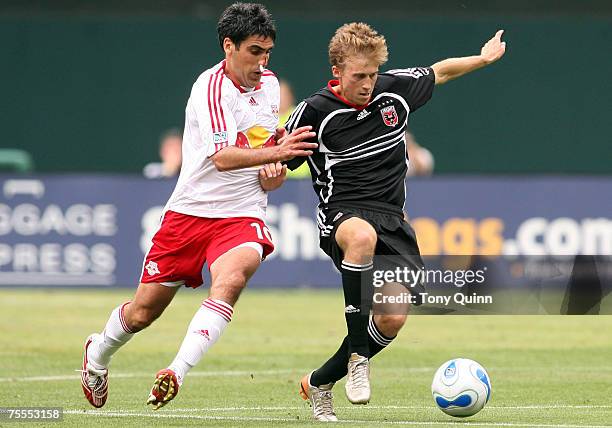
(191, 374)
(526, 407)
(151, 374)
(274, 372)
(554, 406)
(389, 407)
(120, 414)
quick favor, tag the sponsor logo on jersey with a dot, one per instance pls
(362, 114)
(389, 116)
(274, 108)
(152, 268)
(252, 101)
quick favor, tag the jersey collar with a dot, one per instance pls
(336, 82)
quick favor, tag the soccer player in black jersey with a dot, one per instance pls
(358, 173)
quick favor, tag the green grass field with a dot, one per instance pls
(546, 370)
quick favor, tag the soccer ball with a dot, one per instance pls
(461, 387)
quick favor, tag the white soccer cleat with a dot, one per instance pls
(321, 399)
(358, 380)
(94, 381)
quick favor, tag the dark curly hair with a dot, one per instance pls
(242, 20)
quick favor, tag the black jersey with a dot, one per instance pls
(361, 158)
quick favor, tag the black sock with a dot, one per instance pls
(376, 340)
(356, 283)
(335, 368)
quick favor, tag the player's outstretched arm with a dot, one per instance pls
(452, 68)
(287, 147)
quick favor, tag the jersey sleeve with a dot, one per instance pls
(213, 110)
(303, 115)
(414, 84)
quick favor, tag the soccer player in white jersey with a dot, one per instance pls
(216, 213)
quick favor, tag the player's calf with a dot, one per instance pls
(145, 309)
(391, 324)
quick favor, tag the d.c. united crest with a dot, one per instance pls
(389, 116)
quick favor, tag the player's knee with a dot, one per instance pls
(390, 325)
(362, 241)
(233, 280)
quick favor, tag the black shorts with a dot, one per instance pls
(396, 245)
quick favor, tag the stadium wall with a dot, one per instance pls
(93, 94)
(88, 230)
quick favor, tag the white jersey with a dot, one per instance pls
(221, 114)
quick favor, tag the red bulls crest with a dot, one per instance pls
(255, 138)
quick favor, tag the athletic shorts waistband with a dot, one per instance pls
(377, 207)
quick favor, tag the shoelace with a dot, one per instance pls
(95, 378)
(360, 374)
(323, 403)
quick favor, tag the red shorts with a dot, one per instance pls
(184, 242)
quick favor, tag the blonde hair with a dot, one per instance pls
(355, 39)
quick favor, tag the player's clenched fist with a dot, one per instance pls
(272, 176)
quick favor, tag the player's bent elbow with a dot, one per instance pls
(441, 78)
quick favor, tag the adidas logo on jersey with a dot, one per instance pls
(350, 309)
(362, 114)
(252, 101)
